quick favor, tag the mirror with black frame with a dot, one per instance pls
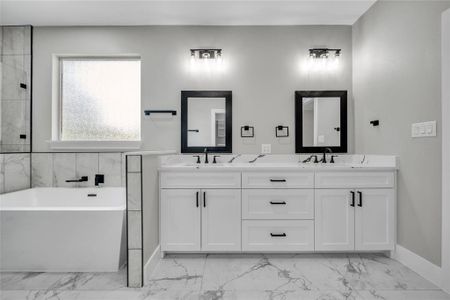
(320, 121)
(206, 121)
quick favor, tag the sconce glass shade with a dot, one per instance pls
(206, 60)
(323, 52)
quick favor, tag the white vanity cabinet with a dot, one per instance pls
(361, 218)
(200, 219)
(278, 210)
(221, 220)
(335, 226)
(180, 220)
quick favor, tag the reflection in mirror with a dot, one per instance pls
(321, 122)
(206, 122)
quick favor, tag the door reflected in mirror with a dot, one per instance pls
(206, 122)
(321, 122)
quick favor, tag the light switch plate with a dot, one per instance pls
(266, 148)
(424, 129)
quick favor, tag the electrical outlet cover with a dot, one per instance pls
(266, 148)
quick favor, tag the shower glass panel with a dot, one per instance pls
(15, 88)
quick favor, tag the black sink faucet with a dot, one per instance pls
(206, 155)
(325, 151)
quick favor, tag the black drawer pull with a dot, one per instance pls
(360, 204)
(196, 196)
(353, 199)
(204, 199)
(277, 180)
(277, 234)
(278, 202)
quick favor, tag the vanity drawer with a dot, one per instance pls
(275, 180)
(278, 204)
(186, 180)
(280, 236)
(355, 179)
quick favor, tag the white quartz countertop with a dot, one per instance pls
(151, 152)
(280, 163)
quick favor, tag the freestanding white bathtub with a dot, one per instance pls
(63, 230)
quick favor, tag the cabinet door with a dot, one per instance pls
(374, 219)
(335, 220)
(180, 220)
(221, 220)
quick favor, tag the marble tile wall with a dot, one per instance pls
(15, 88)
(53, 169)
(134, 218)
(14, 172)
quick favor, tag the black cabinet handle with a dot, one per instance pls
(197, 198)
(352, 204)
(360, 203)
(204, 199)
(278, 202)
(277, 234)
(277, 180)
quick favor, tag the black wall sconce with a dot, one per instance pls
(206, 53)
(280, 129)
(324, 52)
(375, 123)
(247, 131)
(150, 112)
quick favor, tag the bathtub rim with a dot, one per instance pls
(60, 208)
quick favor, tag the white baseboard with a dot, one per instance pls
(419, 265)
(151, 264)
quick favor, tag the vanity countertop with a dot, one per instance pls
(282, 163)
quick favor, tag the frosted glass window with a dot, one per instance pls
(100, 99)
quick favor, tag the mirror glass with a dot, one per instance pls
(321, 121)
(206, 122)
(206, 118)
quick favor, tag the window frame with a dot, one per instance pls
(57, 108)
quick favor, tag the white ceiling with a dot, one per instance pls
(181, 12)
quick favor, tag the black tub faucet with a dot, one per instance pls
(81, 179)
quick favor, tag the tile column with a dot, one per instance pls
(134, 220)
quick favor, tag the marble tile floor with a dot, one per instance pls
(252, 276)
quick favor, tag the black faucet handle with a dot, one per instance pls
(332, 158)
(307, 159)
(214, 159)
(198, 158)
(99, 178)
(316, 159)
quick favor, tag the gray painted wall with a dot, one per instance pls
(263, 73)
(396, 79)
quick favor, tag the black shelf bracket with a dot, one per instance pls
(149, 112)
(375, 122)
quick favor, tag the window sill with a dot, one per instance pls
(95, 145)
